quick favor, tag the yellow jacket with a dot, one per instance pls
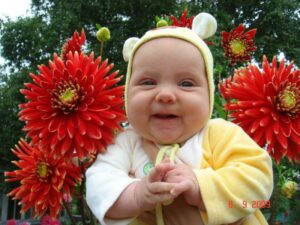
(236, 176)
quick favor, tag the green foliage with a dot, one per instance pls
(98, 26)
(26, 43)
(287, 210)
(11, 127)
(219, 111)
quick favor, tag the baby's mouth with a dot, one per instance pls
(165, 116)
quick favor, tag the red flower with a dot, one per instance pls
(238, 45)
(73, 44)
(43, 179)
(47, 220)
(266, 104)
(183, 21)
(73, 107)
(225, 86)
(11, 222)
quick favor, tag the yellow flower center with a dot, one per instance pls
(67, 96)
(42, 170)
(237, 47)
(289, 100)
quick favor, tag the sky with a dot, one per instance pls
(13, 9)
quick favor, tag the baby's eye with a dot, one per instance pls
(147, 82)
(186, 83)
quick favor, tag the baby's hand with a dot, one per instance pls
(185, 183)
(152, 190)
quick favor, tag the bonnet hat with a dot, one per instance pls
(204, 25)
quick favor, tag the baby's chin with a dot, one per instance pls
(167, 137)
(170, 141)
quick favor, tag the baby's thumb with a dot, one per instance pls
(156, 174)
(159, 171)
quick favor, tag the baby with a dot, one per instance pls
(173, 164)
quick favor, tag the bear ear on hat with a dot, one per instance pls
(204, 25)
(128, 47)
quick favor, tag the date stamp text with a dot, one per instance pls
(256, 204)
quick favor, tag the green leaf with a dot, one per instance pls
(220, 110)
(218, 69)
(98, 26)
(157, 18)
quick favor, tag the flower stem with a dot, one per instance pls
(101, 47)
(91, 216)
(73, 221)
(232, 70)
(83, 200)
(276, 192)
(274, 209)
(81, 197)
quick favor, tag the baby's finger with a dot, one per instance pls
(159, 171)
(172, 179)
(181, 187)
(160, 198)
(173, 176)
(160, 187)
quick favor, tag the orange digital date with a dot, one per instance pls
(261, 204)
(257, 204)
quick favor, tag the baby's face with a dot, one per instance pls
(168, 95)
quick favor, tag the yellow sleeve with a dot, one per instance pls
(235, 172)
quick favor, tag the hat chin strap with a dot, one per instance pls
(170, 152)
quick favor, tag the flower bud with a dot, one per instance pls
(67, 198)
(289, 188)
(103, 34)
(161, 23)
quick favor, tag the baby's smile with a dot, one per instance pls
(165, 116)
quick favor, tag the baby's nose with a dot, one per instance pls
(166, 95)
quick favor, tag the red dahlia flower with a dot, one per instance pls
(73, 44)
(238, 44)
(266, 104)
(183, 21)
(73, 106)
(43, 179)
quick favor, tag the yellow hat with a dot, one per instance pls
(204, 25)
